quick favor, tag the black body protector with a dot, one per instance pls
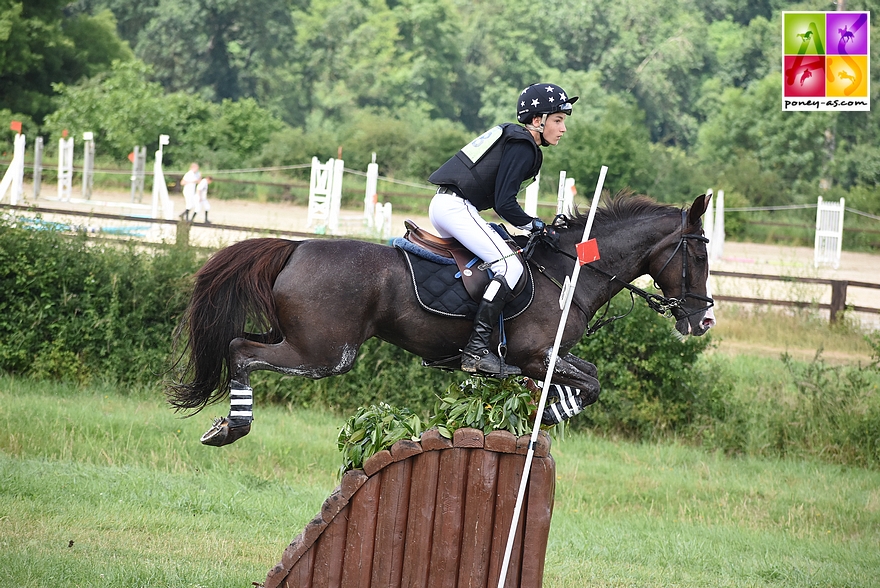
(472, 171)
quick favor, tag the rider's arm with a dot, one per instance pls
(516, 162)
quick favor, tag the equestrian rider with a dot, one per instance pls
(488, 173)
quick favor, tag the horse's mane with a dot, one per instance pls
(625, 205)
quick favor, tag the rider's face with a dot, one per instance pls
(554, 127)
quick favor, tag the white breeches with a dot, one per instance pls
(453, 216)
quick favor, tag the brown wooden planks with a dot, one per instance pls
(537, 512)
(448, 520)
(391, 526)
(301, 573)
(510, 468)
(361, 537)
(420, 520)
(330, 553)
(435, 513)
(479, 518)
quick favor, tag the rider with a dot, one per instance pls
(488, 173)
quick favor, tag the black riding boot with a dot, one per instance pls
(476, 356)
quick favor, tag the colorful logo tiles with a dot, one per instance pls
(826, 61)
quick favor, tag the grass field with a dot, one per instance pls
(109, 488)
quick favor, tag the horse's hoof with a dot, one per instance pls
(223, 432)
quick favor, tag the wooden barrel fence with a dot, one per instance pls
(432, 513)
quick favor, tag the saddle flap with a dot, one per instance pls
(475, 281)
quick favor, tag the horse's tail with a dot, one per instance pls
(232, 288)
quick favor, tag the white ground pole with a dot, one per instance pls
(531, 206)
(709, 222)
(88, 177)
(38, 166)
(65, 169)
(14, 176)
(560, 194)
(718, 230)
(567, 295)
(371, 194)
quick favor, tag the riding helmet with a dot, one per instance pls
(539, 99)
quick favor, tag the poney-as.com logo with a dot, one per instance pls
(825, 61)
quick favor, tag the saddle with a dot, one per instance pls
(475, 281)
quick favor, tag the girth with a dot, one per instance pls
(474, 280)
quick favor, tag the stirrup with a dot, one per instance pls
(224, 431)
(487, 364)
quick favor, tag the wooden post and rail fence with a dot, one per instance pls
(838, 293)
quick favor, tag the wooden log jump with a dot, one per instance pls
(433, 513)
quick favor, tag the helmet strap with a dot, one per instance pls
(539, 129)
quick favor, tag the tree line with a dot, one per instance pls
(675, 96)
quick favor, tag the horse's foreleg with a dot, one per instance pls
(247, 355)
(577, 373)
(582, 364)
(574, 385)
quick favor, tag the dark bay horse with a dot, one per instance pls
(314, 302)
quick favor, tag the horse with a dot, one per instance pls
(313, 303)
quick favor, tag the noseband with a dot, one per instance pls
(657, 302)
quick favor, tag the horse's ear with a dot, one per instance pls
(698, 209)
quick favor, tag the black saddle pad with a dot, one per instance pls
(439, 290)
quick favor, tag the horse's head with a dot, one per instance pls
(680, 268)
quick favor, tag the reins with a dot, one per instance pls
(657, 302)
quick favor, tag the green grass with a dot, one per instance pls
(145, 504)
(800, 332)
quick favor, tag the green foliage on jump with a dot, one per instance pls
(486, 404)
(479, 403)
(372, 429)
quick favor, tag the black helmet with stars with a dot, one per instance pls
(540, 99)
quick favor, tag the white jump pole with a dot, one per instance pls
(567, 296)
(560, 194)
(371, 194)
(531, 206)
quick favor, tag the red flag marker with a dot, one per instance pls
(131, 157)
(588, 251)
(16, 126)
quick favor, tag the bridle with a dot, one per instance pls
(678, 303)
(657, 302)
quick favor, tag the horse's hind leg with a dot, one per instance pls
(247, 355)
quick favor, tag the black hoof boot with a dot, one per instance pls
(225, 431)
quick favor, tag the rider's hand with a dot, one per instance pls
(547, 232)
(551, 236)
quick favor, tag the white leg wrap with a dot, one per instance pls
(241, 401)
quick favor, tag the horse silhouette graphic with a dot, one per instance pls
(807, 75)
(846, 75)
(846, 35)
(805, 37)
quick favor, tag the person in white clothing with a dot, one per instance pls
(202, 198)
(189, 182)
